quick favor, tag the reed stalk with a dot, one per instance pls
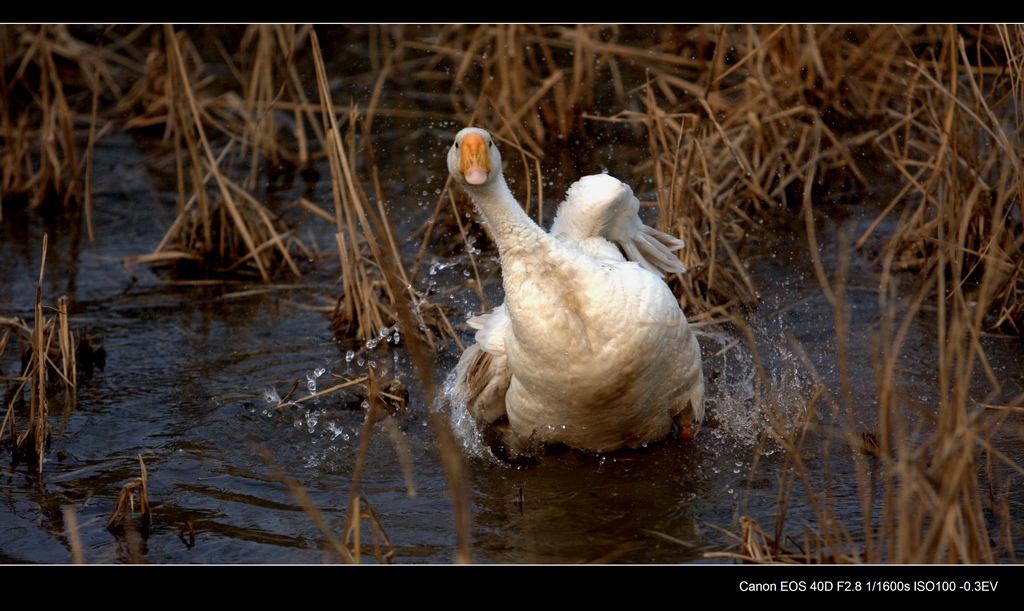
(49, 371)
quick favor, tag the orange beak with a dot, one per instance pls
(475, 164)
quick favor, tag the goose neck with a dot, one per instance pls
(509, 224)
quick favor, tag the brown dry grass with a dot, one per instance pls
(943, 497)
(125, 505)
(49, 372)
(957, 140)
(228, 228)
(41, 157)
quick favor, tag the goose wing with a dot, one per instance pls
(483, 375)
(603, 206)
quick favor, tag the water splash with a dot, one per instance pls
(463, 423)
(311, 377)
(271, 400)
(311, 420)
(337, 431)
(739, 405)
(440, 266)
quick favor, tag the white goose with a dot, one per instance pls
(589, 349)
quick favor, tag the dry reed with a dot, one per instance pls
(945, 493)
(49, 371)
(957, 139)
(125, 505)
(228, 229)
(40, 155)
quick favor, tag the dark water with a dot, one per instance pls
(193, 370)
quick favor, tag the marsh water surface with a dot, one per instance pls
(194, 370)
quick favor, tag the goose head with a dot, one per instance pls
(473, 159)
